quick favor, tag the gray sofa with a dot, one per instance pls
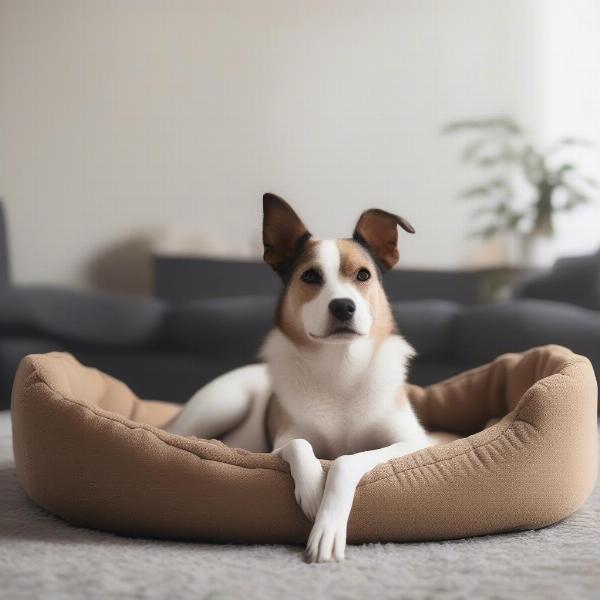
(167, 348)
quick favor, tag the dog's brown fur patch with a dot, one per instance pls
(353, 258)
(295, 294)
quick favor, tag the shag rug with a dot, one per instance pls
(44, 557)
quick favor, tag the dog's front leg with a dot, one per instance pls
(307, 473)
(327, 540)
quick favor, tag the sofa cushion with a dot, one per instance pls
(93, 318)
(235, 326)
(427, 325)
(158, 373)
(483, 332)
(12, 350)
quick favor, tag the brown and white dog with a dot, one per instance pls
(333, 383)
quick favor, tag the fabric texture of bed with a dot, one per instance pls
(88, 450)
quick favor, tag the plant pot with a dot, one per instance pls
(537, 251)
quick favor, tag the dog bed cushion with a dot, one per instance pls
(88, 450)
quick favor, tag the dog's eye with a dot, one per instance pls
(312, 276)
(363, 275)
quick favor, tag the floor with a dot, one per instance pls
(43, 557)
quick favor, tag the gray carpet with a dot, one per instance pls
(43, 557)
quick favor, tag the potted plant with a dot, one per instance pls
(525, 186)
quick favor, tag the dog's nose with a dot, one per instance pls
(342, 308)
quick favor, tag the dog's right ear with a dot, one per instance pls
(284, 234)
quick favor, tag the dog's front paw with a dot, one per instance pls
(309, 486)
(307, 473)
(327, 540)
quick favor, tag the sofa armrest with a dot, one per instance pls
(574, 280)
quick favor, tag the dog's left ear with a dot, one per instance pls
(378, 230)
(284, 234)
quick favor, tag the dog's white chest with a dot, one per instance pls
(333, 429)
(342, 399)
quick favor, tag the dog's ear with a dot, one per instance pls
(378, 230)
(284, 234)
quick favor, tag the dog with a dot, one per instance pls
(333, 382)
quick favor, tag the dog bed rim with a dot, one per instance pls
(511, 418)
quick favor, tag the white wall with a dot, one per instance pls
(570, 89)
(120, 117)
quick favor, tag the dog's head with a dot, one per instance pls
(332, 288)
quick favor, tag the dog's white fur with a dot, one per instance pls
(343, 400)
(315, 314)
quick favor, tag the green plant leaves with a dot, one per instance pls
(500, 142)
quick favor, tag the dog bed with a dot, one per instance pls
(87, 449)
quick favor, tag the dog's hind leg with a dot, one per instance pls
(224, 404)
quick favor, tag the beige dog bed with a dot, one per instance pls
(88, 450)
